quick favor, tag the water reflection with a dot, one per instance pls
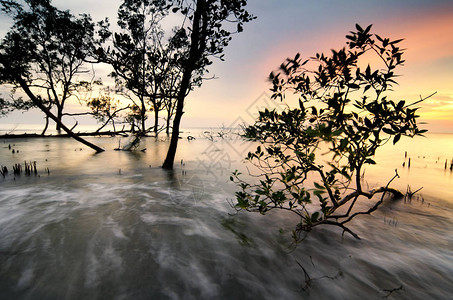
(90, 231)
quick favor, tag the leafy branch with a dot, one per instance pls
(342, 107)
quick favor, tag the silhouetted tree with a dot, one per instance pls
(106, 110)
(344, 107)
(44, 52)
(141, 58)
(206, 31)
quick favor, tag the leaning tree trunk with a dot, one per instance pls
(170, 159)
(49, 114)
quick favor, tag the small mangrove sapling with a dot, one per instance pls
(343, 106)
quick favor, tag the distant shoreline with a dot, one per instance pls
(63, 135)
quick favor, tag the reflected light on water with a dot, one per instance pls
(115, 225)
(430, 161)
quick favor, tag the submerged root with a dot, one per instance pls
(28, 169)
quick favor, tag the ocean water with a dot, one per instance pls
(115, 225)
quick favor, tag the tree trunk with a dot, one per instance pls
(49, 114)
(143, 116)
(197, 47)
(46, 126)
(59, 117)
(170, 159)
(156, 119)
(167, 129)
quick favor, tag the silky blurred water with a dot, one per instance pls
(114, 225)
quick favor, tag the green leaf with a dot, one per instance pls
(388, 131)
(260, 192)
(396, 138)
(343, 144)
(314, 216)
(396, 41)
(318, 186)
(369, 161)
(301, 105)
(314, 111)
(337, 132)
(318, 193)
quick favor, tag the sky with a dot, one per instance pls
(286, 27)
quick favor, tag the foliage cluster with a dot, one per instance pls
(344, 106)
(47, 52)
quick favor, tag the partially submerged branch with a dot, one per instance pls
(65, 135)
(48, 113)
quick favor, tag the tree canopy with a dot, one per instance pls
(43, 54)
(141, 58)
(47, 48)
(45, 51)
(206, 31)
(345, 106)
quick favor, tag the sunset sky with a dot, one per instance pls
(285, 27)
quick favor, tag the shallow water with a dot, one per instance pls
(115, 225)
